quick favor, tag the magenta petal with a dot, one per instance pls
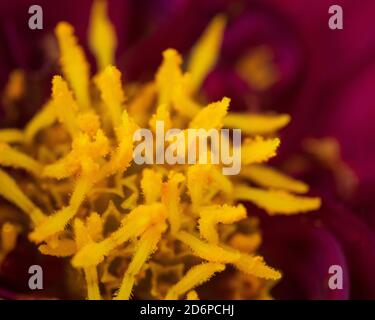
(14, 276)
(258, 26)
(304, 247)
(179, 29)
(358, 243)
(304, 253)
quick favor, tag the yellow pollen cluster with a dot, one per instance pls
(154, 231)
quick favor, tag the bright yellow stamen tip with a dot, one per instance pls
(109, 84)
(259, 149)
(171, 199)
(94, 225)
(211, 116)
(271, 178)
(206, 52)
(168, 75)
(63, 248)
(212, 215)
(66, 106)
(151, 185)
(208, 251)
(192, 295)
(252, 124)
(246, 243)
(162, 114)
(193, 278)
(74, 63)
(257, 267)
(277, 201)
(102, 35)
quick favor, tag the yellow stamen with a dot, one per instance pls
(147, 245)
(74, 63)
(134, 224)
(102, 35)
(257, 267)
(11, 135)
(43, 119)
(92, 281)
(208, 251)
(168, 75)
(94, 225)
(123, 155)
(271, 178)
(15, 86)
(131, 183)
(83, 151)
(66, 106)
(171, 199)
(89, 123)
(63, 248)
(10, 191)
(192, 295)
(246, 243)
(214, 253)
(109, 84)
(258, 69)
(277, 201)
(206, 51)
(9, 234)
(141, 103)
(211, 116)
(327, 152)
(8, 237)
(259, 149)
(204, 182)
(162, 114)
(151, 185)
(59, 220)
(193, 278)
(253, 124)
(183, 103)
(212, 215)
(82, 238)
(10, 157)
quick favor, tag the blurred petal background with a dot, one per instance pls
(276, 55)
